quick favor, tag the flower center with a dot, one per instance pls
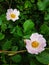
(35, 44)
(13, 15)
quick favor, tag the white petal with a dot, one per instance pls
(8, 18)
(32, 51)
(10, 10)
(34, 36)
(42, 42)
(16, 12)
(40, 39)
(28, 42)
(41, 49)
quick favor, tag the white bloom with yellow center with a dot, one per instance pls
(12, 14)
(36, 44)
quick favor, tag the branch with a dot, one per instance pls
(11, 53)
(7, 2)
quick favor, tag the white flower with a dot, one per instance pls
(12, 14)
(36, 44)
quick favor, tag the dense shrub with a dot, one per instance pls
(34, 17)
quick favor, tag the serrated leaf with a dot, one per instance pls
(12, 30)
(16, 30)
(46, 17)
(7, 45)
(28, 25)
(27, 4)
(43, 58)
(34, 61)
(19, 31)
(41, 5)
(3, 17)
(16, 58)
(44, 29)
(3, 27)
(14, 48)
(1, 36)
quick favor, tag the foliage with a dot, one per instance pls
(34, 17)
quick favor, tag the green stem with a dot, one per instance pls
(7, 2)
(10, 4)
(10, 53)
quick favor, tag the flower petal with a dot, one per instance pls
(38, 38)
(11, 11)
(16, 12)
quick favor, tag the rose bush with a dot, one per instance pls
(24, 25)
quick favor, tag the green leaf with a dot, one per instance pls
(1, 36)
(27, 4)
(28, 25)
(19, 31)
(44, 29)
(21, 44)
(46, 2)
(26, 36)
(43, 58)
(0, 22)
(3, 27)
(12, 30)
(41, 5)
(3, 58)
(32, 63)
(16, 58)
(7, 45)
(14, 48)
(3, 17)
(32, 1)
(46, 17)
(16, 31)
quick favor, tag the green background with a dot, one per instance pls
(34, 17)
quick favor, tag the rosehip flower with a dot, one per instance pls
(12, 14)
(36, 44)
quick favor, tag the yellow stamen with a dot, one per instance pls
(35, 44)
(13, 15)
